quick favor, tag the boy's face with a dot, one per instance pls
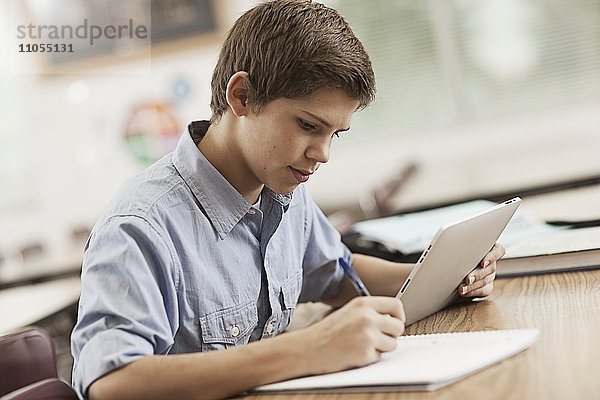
(286, 141)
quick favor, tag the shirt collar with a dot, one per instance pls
(223, 204)
(283, 199)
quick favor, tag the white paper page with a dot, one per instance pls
(423, 360)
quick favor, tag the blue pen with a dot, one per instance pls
(354, 278)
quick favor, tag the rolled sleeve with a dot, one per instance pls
(128, 303)
(323, 278)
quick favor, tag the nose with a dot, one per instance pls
(318, 150)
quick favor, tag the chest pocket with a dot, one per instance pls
(288, 297)
(229, 327)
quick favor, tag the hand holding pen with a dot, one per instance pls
(357, 333)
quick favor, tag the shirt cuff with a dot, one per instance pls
(106, 352)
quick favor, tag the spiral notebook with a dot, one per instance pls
(420, 362)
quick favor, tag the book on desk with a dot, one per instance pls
(533, 246)
(565, 250)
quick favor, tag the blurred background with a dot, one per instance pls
(475, 99)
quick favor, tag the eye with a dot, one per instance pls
(307, 126)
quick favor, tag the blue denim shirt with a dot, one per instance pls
(180, 262)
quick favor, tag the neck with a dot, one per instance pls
(221, 148)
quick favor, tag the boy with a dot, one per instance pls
(199, 262)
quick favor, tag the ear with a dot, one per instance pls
(237, 94)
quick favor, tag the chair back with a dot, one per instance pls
(26, 356)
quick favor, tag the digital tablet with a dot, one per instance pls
(456, 249)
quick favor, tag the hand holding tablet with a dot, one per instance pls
(454, 252)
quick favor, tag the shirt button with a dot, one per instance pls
(252, 211)
(235, 331)
(270, 328)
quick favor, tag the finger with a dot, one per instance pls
(480, 273)
(481, 292)
(487, 265)
(475, 288)
(482, 282)
(384, 305)
(384, 343)
(493, 255)
(465, 290)
(391, 326)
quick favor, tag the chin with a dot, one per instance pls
(283, 189)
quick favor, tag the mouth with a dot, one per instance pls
(301, 175)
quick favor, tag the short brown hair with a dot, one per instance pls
(292, 48)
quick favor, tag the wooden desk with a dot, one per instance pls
(562, 364)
